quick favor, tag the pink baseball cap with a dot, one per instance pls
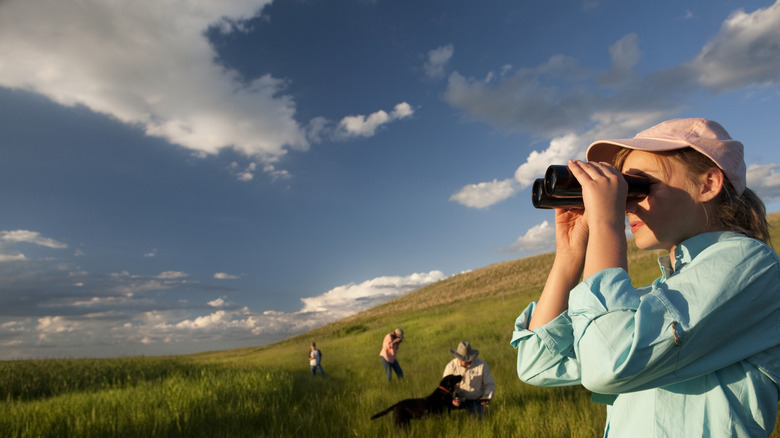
(705, 136)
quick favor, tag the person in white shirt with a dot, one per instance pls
(477, 387)
(315, 359)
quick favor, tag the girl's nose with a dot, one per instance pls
(631, 206)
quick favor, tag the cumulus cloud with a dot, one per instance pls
(9, 240)
(12, 257)
(349, 299)
(485, 194)
(151, 65)
(34, 237)
(366, 126)
(320, 129)
(219, 302)
(122, 311)
(539, 237)
(744, 53)
(765, 181)
(437, 61)
(171, 275)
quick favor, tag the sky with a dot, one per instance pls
(182, 176)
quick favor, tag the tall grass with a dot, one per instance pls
(270, 392)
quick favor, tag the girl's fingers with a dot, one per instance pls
(591, 170)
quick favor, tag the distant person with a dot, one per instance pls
(388, 354)
(315, 360)
(477, 387)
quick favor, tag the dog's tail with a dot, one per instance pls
(385, 412)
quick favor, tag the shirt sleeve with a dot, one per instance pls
(488, 384)
(449, 368)
(388, 351)
(720, 308)
(545, 355)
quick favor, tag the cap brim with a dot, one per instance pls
(605, 150)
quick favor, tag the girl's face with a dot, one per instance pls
(670, 213)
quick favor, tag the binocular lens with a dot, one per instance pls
(541, 199)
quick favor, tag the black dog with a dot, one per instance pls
(436, 403)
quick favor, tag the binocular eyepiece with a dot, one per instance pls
(560, 189)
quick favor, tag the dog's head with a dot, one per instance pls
(449, 382)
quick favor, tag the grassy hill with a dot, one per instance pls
(269, 392)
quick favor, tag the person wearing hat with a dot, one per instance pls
(477, 387)
(315, 360)
(695, 353)
(388, 353)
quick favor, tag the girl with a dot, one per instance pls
(697, 352)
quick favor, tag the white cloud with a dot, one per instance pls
(34, 237)
(225, 276)
(126, 316)
(248, 173)
(366, 126)
(18, 257)
(437, 61)
(9, 239)
(539, 237)
(149, 64)
(348, 299)
(485, 194)
(744, 53)
(320, 129)
(765, 181)
(561, 150)
(219, 302)
(172, 275)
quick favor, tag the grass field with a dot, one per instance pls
(269, 391)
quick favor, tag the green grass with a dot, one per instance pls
(269, 391)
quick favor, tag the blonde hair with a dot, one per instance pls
(743, 214)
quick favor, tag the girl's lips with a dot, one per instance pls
(636, 225)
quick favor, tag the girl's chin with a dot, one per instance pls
(646, 244)
(643, 243)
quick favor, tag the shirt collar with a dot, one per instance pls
(688, 249)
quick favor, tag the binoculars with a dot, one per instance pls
(560, 189)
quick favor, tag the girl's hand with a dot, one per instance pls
(604, 192)
(571, 232)
(571, 240)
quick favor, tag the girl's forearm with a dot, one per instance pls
(564, 275)
(607, 248)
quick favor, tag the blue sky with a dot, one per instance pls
(187, 176)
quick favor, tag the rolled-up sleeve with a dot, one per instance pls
(545, 356)
(717, 310)
(613, 344)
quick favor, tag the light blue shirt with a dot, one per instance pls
(695, 354)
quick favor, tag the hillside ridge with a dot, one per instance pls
(519, 277)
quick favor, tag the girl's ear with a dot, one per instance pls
(711, 184)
